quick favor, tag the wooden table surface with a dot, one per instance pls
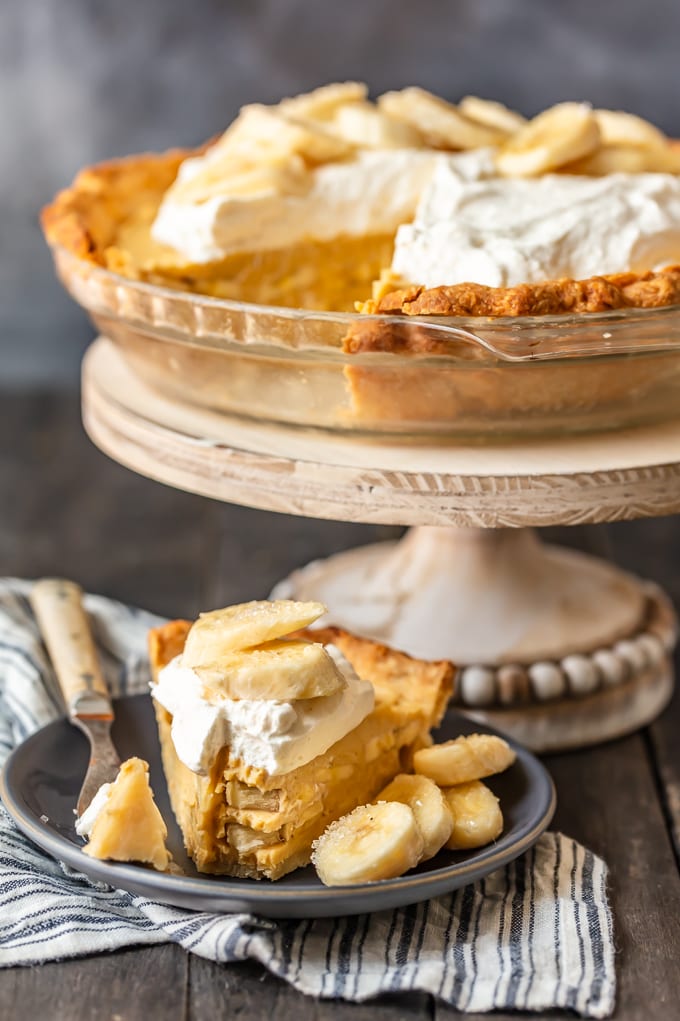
(65, 509)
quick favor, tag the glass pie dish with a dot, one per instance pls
(463, 378)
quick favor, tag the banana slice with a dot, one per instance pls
(464, 759)
(440, 123)
(366, 126)
(262, 152)
(477, 817)
(373, 842)
(280, 671)
(260, 131)
(619, 128)
(492, 114)
(666, 160)
(427, 803)
(322, 103)
(559, 135)
(626, 159)
(279, 174)
(219, 632)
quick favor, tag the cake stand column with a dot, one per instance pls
(557, 647)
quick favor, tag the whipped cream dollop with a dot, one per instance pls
(86, 821)
(472, 225)
(270, 735)
(371, 193)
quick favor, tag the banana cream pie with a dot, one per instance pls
(270, 733)
(463, 209)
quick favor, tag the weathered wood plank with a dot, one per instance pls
(665, 752)
(607, 799)
(67, 509)
(653, 550)
(247, 990)
(140, 984)
(258, 548)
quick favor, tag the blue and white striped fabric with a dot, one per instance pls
(533, 936)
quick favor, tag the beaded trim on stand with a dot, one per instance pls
(577, 674)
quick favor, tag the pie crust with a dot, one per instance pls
(551, 297)
(129, 826)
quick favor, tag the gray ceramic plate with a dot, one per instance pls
(42, 778)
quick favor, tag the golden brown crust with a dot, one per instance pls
(551, 297)
(83, 217)
(430, 683)
(166, 642)
(393, 338)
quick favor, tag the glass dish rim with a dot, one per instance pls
(466, 328)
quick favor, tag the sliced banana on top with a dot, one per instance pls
(373, 842)
(560, 135)
(491, 113)
(366, 126)
(427, 803)
(279, 174)
(625, 159)
(322, 103)
(219, 632)
(665, 161)
(264, 151)
(620, 128)
(265, 128)
(440, 123)
(280, 671)
(464, 759)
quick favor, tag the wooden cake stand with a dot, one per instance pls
(555, 647)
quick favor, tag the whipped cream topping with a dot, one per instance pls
(86, 821)
(371, 193)
(474, 226)
(270, 735)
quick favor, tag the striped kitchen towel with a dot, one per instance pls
(532, 936)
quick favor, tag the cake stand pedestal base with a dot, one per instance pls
(557, 648)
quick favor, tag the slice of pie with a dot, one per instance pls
(244, 820)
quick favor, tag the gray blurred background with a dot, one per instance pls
(82, 80)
